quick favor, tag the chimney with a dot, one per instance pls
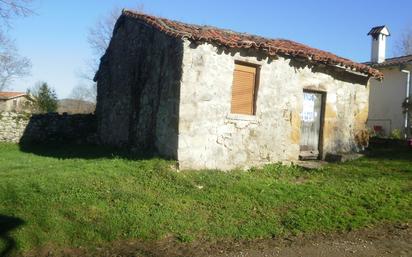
(378, 35)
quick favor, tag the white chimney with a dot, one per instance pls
(378, 35)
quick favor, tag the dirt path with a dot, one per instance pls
(384, 241)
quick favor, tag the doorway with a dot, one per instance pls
(311, 125)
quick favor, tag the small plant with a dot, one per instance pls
(372, 133)
(183, 238)
(377, 131)
(362, 138)
(407, 105)
(396, 134)
(407, 108)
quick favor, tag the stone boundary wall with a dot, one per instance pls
(12, 126)
(47, 128)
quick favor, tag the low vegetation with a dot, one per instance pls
(87, 196)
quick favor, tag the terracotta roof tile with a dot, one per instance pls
(392, 61)
(231, 39)
(10, 95)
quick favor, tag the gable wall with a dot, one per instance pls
(386, 98)
(211, 137)
(138, 89)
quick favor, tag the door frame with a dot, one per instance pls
(322, 119)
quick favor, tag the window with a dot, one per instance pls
(244, 89)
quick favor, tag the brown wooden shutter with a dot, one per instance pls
(243, 89)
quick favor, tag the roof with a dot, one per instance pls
(395, 61)
(379, 30)
(10, 95)
(236, 40)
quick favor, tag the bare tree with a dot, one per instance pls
(80, 100)
(83, 93)
(12, 8)
(403, 45)
(12, 65)
(100, 35)
(99, 39)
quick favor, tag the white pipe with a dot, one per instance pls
(408, 82)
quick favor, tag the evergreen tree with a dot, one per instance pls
(44, 98)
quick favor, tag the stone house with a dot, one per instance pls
(14, 102)
(386, 96)
(217, 99)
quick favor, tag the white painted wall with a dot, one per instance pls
(386, 98)
(378, 49)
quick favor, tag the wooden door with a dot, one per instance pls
(311, 125)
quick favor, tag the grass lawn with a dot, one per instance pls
(85, 196)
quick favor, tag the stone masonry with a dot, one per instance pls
(138, 89)
(157, 92)
(211, 137)
(47, 128)
(12, 126)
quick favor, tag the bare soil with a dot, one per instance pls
(382, 241)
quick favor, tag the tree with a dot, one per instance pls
(99, 39)
(82, 100)
(44, 98)
(403, 45)
(101, 33)
(12, 65)
(13, 8)
(83, 93)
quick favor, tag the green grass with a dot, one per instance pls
(85, 196)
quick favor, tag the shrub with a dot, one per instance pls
(396, 134)
(362, 138)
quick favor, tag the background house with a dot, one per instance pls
(14, 102)
(214, 98)
(386, 96)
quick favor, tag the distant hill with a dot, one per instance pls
(73, 106)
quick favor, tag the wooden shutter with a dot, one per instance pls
(243, 89)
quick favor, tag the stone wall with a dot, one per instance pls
(211, 137)
(12, 126)
(173, 96)
(47, 128)
(138, 89)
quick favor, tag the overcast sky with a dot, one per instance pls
(55, 38)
